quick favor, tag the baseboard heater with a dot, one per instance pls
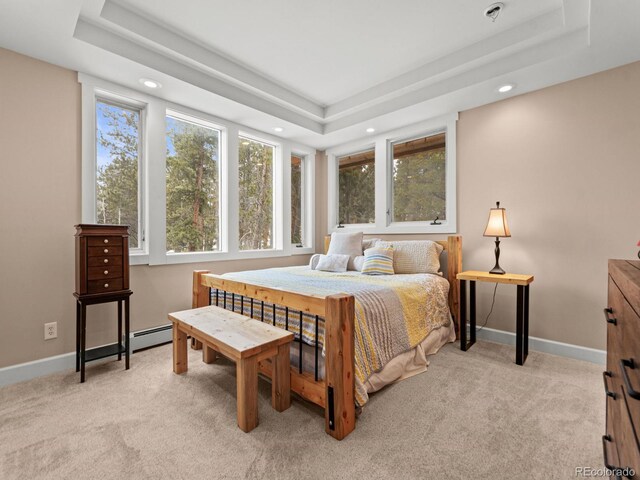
(152, 337)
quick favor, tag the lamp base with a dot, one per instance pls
(497, 271)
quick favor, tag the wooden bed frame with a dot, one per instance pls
(334, 393)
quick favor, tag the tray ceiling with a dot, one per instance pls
(326, 70)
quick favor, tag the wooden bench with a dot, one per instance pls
(243, 340)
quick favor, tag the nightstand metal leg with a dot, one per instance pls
(463, 315)
(526, 323)
(472, 315)
(520, 357)
(464, 344)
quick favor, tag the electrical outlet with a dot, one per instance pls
(50, 330)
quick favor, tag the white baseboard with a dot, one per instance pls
(546, 346)
(149, 338)
(67, 361)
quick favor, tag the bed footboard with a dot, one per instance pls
(336, 392)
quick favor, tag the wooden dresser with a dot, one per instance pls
(102, 276)
(621, 443)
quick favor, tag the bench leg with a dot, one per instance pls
(208, 354)
(179, 350)
(196, 344)
(281, 379)
(247, 381)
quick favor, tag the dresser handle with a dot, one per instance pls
(605, 439)
(609, 393)
(106, 250)
(624, 364)
(106, 260)
(106, 240)
(608, 311)
(106, 285)
(106, 272)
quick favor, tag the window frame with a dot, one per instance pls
(90, 160)
(308, 199)
(383, 179)
(222, 207)
(390, 166)
(276, 192)
(152, 177)
(337, 158)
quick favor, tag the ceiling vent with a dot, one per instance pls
(493, 10)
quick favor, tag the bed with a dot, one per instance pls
(347, 345)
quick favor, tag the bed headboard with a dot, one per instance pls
(453, 248)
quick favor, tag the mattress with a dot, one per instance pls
(394, 314)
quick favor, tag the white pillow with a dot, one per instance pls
(333, 263)
(414, 256)
(313, 262)
(358, 262)
(343, 243)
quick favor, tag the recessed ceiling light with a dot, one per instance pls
(279, 129)
(506, 88)
(371, 130)
(150, 83)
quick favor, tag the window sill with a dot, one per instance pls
(198, 257)
(138, 259)
(398, 228)
(302, 250)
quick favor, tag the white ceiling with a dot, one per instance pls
(327, 70)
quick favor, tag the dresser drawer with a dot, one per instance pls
(107, 250)
(609, 444)
(101, 286)
(615, 322)
(628, 448)
(96, 273)
(104, 241)
(104, 261)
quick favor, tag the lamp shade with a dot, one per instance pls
(497, 225)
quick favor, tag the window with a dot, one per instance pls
(255, 163)
(118, 155)
(186, 189)
(401, 181)
(192, 186)
(356, 188)
(419, 179)
(298, 173)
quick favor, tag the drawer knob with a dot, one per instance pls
(106, 260)
(607, 315)
(106, 272)
(106, 285)
(106, 240)
(106, 250)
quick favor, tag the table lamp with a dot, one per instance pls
(497, 227)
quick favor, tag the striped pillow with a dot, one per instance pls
(378, 261)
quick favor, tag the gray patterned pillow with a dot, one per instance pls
(414, 256)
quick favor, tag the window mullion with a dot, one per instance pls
(230, 194)
(382, 194)
(156, 159)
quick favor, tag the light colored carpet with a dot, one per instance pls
(471, 415)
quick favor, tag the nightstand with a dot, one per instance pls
(522, 312)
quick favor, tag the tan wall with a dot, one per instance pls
(40, 203)
(565, 163)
